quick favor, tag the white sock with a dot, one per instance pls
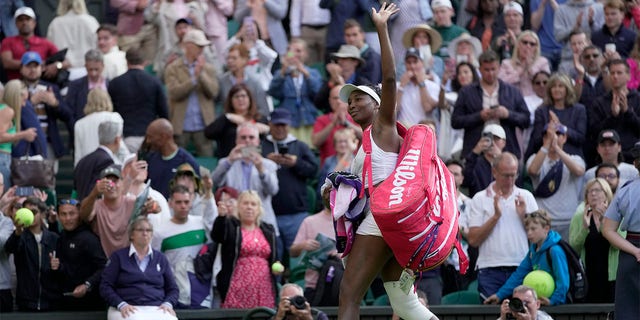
(406, 306)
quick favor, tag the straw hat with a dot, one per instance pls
(434, 36)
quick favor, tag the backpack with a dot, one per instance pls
(578, 285)
(328, 287)
(415, 207)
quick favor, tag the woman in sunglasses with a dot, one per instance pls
(525, 62)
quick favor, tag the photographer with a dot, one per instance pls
(524, 305)
(477, 172)
(293, 305)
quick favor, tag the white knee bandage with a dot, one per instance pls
(406, 306)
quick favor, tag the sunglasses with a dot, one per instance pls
(590, 56)
(72, 202)
(540, 83)
(537, 214)
(528, 43)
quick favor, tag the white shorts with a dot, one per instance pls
(143, 313)
(369, 227)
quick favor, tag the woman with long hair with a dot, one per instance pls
(370, 255)
(525, 62)
(560, 108)
(239, 107)
(74, 28)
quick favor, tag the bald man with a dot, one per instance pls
(164, 155)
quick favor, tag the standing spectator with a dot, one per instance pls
(138, 279)
(544, 254)
(417, 93)
(345, 145)
(610, 152)
(133, 32)
(309, 22)
(216, 24)
(13, 48)
(78, 260)
(200, 187)
(164, 155)
(328, 124)
(139, 98)
(115, 61)
(88, 169)
(412, 13)
(354, 35)
(296, 166)
(237, 73)
(513, 21)
(561, 109)
(295, 86)
(576, 15)
(192, 87)
(138, 171)
(340, 12)
(245, 169)
(501, 104)
(487, 24)
(76, 97)
(248, 250)
(556, 175)
(86, 134)
(163, 15)
(180, 239)
(75, 29)
(7, 208)
(625, 206)
(465, 48)
(239, 107)
(478, 163)
(585, 236)
(542, 15)
(31, 246)
(442, 16)
(7, 24)
(618, 110)
(428, 41)
(496, 225)
(268, 15)
(578, 41)
(525, 62)
(613, 31)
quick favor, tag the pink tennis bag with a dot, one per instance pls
(415, 207)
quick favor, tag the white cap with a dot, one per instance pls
(512, 5)
(441, 3)
(495, 130)
(24, 11)
(346, 90)
(196, 37)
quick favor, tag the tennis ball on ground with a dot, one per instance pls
(24, 216)
(540, 281)
(277, 267)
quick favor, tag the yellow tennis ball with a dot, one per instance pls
(540, 281)
(24, 216)
(277, 267)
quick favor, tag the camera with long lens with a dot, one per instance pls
(299, 302)
(516, 306)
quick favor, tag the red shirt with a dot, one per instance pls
(327, 149)
(16, 46)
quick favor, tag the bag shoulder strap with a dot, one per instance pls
(366, 147)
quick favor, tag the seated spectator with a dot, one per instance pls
(296, 85)
(477, 172)
(86, 134)
(556, 176)
(599, 257)
(237, 60)
(78, 261)
(90, 166)
(345, 144)
(562, 110)
(79, 89)
(328, 124)
(514, 21)
(428, 42)
(138, 279)
(530, 302)
(542, 239)
(524, 63)
(342, 70)
(180, 239)
(75, 29)
(464, 48)
(164, 155)
(115, 61)
(248, 251)
(286, 310)
(240, 107)
(613, 31)
(31, 246)
(610, 152)
(417, 93)
(354, 35)
(13, 48)
(192, 87)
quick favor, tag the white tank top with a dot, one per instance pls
(382, 162)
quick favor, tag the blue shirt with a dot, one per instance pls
(193, 117)
(625, 207)
(161, 170)
(548, 40)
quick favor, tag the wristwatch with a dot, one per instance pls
(58, 65)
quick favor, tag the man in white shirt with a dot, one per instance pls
(417, 95)
(115, 62)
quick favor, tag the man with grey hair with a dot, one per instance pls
(530, 306)
(79, 89)
(88, 168)
(292, 305)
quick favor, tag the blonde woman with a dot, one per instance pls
(14, 97)
(600, 258)
(74, 28)
(525, 62)
(99, 108)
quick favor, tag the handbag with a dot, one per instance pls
(33, 171)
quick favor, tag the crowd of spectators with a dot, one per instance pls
(534, 103)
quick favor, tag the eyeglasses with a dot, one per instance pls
(143, 230)
(72, 202)
(528, 43)
(610, 176)
(540, 83)
(590, 56)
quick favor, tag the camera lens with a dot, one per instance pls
(298, 302)
(516, 305)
